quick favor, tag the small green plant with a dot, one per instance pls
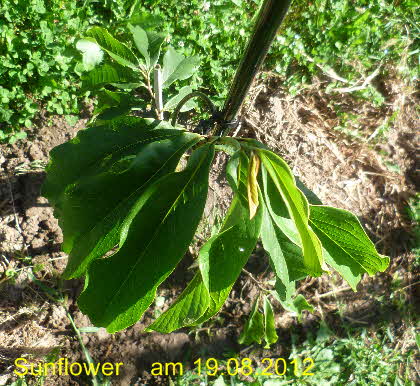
(129, 210)
(123, 81)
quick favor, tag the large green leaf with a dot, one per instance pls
(148, 43)
(188, 308)
(94, 179)
(108, 73)
(273, 246)
(297, 207)
(116, 49)
(177, 67)
(121, 287)
(284, 256)
(350, 251)
(222, 258)
(279, 235)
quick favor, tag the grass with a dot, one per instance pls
(362, 357)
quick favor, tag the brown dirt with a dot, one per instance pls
(343, 171)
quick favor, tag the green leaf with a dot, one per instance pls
(296, 305)
(108, 98)
(92, 53)
(271, 243)
(72, 120)
(17, 136)
(146, 20)
(148, 43)
(350, 251)
(173, 102)
(121, 287)
(237, 175)
(300, 304)
(222, 258)
(278, 210)
(283, 255)
(111, 113)
(112, 104)
(285, 290)
(189, 307)
(281, 241)
(177, 67)
(141, 41)
(213, 254)
(254, 327)
(297, 207)
(108, 73)
(270, 334)
(280, 237)
(117, 50)
(233, 169)
(228, 145)
(93, 180)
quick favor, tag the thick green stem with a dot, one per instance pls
(269, 19)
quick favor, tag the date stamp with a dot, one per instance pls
(234, 366)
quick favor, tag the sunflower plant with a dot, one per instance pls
(129, 210)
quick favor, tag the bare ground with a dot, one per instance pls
(349, 172)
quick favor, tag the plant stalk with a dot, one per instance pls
(146, 76)
(268, 22)
(158, 91)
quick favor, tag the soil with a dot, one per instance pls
(344, 171)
